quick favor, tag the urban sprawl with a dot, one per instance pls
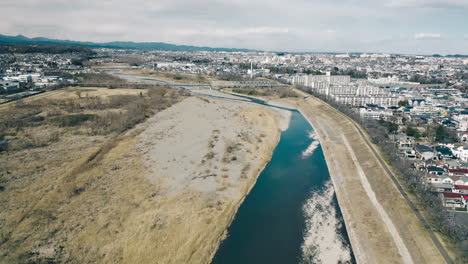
(422, 99)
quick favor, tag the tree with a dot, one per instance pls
(76, 62)
(392, 127)
(441, 133)
(403, 103)
(412, 132)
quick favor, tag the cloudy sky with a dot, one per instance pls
(397, 26)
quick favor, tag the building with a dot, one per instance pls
(454, 200)
(373, 114)
(341, 89)
(460, 152)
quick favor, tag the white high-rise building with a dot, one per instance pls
(341, 89)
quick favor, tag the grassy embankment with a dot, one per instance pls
(69, 179)
(331, 122)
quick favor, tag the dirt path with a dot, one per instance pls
(381, 225)
(402, 249)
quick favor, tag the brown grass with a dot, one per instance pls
(63, 163)
(271, 93)
(36, 123)
(86, 199)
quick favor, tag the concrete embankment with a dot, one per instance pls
(381, 226)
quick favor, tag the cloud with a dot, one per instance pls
(301, 25)
(446, 4)
(427, 36)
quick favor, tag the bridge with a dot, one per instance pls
(190, 86)
(141, 84)
(236, 84)
(178, 85)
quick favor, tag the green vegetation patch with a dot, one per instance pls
(71, 120)
(245, 91)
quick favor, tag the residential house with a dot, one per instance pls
(424, 152)
(435, 170)
(461, 152)
(454, 200)
(462, 189)
(441, 187)
(443, 153)
(458, 172)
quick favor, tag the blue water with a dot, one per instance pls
(270, 224)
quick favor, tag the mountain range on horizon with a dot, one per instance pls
(20, 39)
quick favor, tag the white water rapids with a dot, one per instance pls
(323, 242)
(312, 147)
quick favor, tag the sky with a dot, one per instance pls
(387, 26)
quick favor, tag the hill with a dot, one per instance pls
(43, 48)
(111, 45)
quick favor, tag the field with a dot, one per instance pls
(97, 175)
(188, 78)
(55, 152)
(183, 78)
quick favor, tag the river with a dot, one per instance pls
(291, 214)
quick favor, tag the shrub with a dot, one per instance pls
(71, 120)
(209, 155)
(19, 144)
(42, 140)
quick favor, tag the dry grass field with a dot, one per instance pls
(186, 78)
(183, 78)
(57, 151)
(82, 178)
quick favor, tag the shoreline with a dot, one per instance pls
(368, 233)
(357, 251)
(206, 188)
(236, 208)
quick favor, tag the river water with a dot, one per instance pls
(291, 214)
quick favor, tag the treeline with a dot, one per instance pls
(354, 73)
(413, 179)
(426, 79)
(97, 78)
(436, 133)
(44, 48)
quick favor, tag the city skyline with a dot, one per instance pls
(406, 27)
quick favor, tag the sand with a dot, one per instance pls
(208, 151)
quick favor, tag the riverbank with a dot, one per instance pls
(290, 216)
(381, 226)
(164, 192)
(205, 155)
